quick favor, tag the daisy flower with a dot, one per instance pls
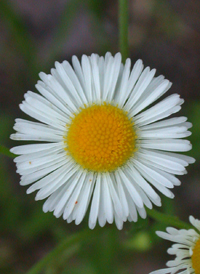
(186, 249)
(100, 144)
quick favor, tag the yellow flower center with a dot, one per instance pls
(196, 257)
(101, 138)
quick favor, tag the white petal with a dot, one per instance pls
(154, 178)
(135, 73)
(108, 206)
(143, 82)
(56, 183)
(153, 93)
(87, 74)
(163, 109)
(94, 211)
(124, 83)
(84, 199)
(74, 198)
(36, 175)
(131, 189)
(101, 215)
(167, 144)
(166, 123)
(115, 199)
(114, 76)
(122, 195)
(33, 148)
(79, 74)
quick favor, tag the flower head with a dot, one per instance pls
(186, 249)
(100, 144)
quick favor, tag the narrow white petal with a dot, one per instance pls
(142, 212)
(36, 175)
(54, 199)
(79, 74)
(87, 74)
(51, 97)
(96, 77)
(162, 163)
(115, 77)
(38, 161)
(154, 178)
(124, 83)
(48, 180)
(67, 191)
(118, 222)
(58, 90)
(143, 183)
(167, 132)
(67, 84)
(133, 216)
(143, 82)
(131, 189)
(42, 116)
(153, 94)
(61, 179)
(122, 195)
(166, 123)
(33, 148)
(115, 199)
(35, 155)
(101, 215)
(108, 206)
(135, 73)
(108, 68)
(28, 168)
(163, 109)
(84, 199)
(24, 126)
(41, 137)
(39, 102)
(94, 211)
(74, 198)
(167, 144)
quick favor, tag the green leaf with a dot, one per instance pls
(6, 151)
(167, 219)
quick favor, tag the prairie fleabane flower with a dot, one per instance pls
(100, 145)
(186, 249)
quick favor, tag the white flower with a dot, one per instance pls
(101, 144)
(186, 249)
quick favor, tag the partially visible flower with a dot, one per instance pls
(101, 145)
(186, 249)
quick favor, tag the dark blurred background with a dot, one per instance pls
(35, 34)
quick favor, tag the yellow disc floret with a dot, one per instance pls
(196, 257)
(101, 137)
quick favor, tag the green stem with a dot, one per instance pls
(67, 243)
(167, 219)
(123, 29)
